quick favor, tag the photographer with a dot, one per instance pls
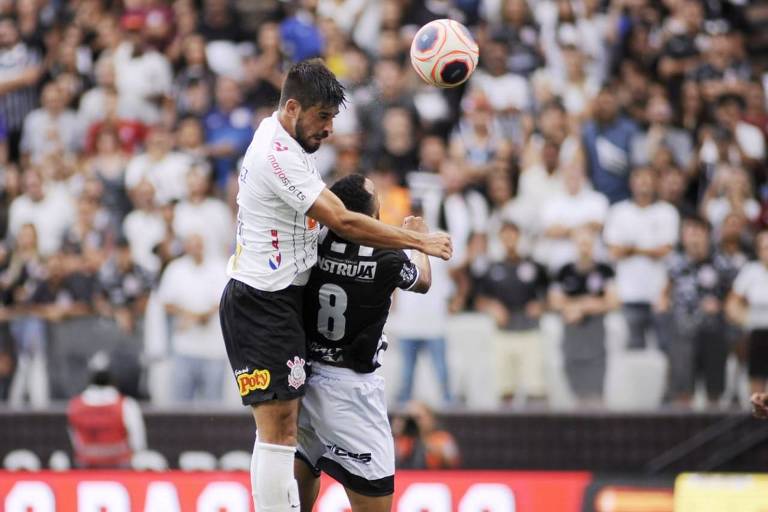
(420, 443)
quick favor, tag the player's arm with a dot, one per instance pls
(419, 259)
(364, 230)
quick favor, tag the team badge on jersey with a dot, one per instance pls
(297, 376)
(276, 258)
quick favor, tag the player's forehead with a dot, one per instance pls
(323, 110)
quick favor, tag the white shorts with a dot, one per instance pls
(344, 430)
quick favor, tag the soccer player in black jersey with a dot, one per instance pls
(343, 424)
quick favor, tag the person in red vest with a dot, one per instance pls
(105, 427)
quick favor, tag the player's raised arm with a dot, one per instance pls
(421, 260)
(362, 229)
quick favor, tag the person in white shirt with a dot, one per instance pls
(640, 232)
(160, 165)
(144, 227)
(50, 215)
(282, 200)
(52, 130)
(206, 215)
(575, 207)
(747, 306)
(143, 75)
(192, 304)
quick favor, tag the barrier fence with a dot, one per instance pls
(416, 491)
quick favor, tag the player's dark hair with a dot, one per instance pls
(351, 190)
(312, 84)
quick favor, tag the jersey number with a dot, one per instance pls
(331, 322)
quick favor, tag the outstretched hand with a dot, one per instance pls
(437, 244)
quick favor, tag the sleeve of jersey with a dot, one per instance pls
(292, 181)
(408, 274)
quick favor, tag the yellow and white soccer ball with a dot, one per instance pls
(444, 53)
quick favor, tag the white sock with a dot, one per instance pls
(275, 485)
(254, 458)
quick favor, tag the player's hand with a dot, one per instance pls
(760, 405)
(415, 224)
(437, 244)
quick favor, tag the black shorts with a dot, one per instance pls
(264, 336)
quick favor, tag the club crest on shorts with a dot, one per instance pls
(297, 376)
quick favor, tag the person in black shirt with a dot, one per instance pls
(512, 291)
(583, 292)
(343, 424)
(695, 293)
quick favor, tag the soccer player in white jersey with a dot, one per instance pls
(282, 200)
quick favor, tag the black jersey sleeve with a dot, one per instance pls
(407, 271)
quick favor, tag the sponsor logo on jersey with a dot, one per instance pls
(363, 458)
(257, 379)
(276, 258)
(297, 376)
(280, 173)
(365, 270)
(279, 146)
(327, 354)
(311, 223)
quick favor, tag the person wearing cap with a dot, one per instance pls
(143, 75)
(105, 427)
(512, 292)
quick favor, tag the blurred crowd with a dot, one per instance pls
(606, 159)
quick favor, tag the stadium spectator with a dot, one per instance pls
(163, 167)
(695, 293)
(124, 288)
(607, 142)
(228, 129)
(513, 292)
(50, 215)
(640, 233)
(193, 305)
(420, 443)
(583, 292)
(21, 70)
(747, 306)
(576, 206)
(50, 131)
(143, 75)
(660, 132)
(105, 427)
(107, 164)
(202, 214)
(144, 227)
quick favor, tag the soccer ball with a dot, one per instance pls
(444, 53)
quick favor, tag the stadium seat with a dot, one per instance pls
(149, 460)
(21, 460)
(59, 461)
(635, 380)
(197, 461)
(237, 460)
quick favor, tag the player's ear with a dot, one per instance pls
(293, 108)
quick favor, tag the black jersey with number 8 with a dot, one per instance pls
(347, 299)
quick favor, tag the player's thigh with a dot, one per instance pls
(361, 503)
(276, 421)
(265, 341)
